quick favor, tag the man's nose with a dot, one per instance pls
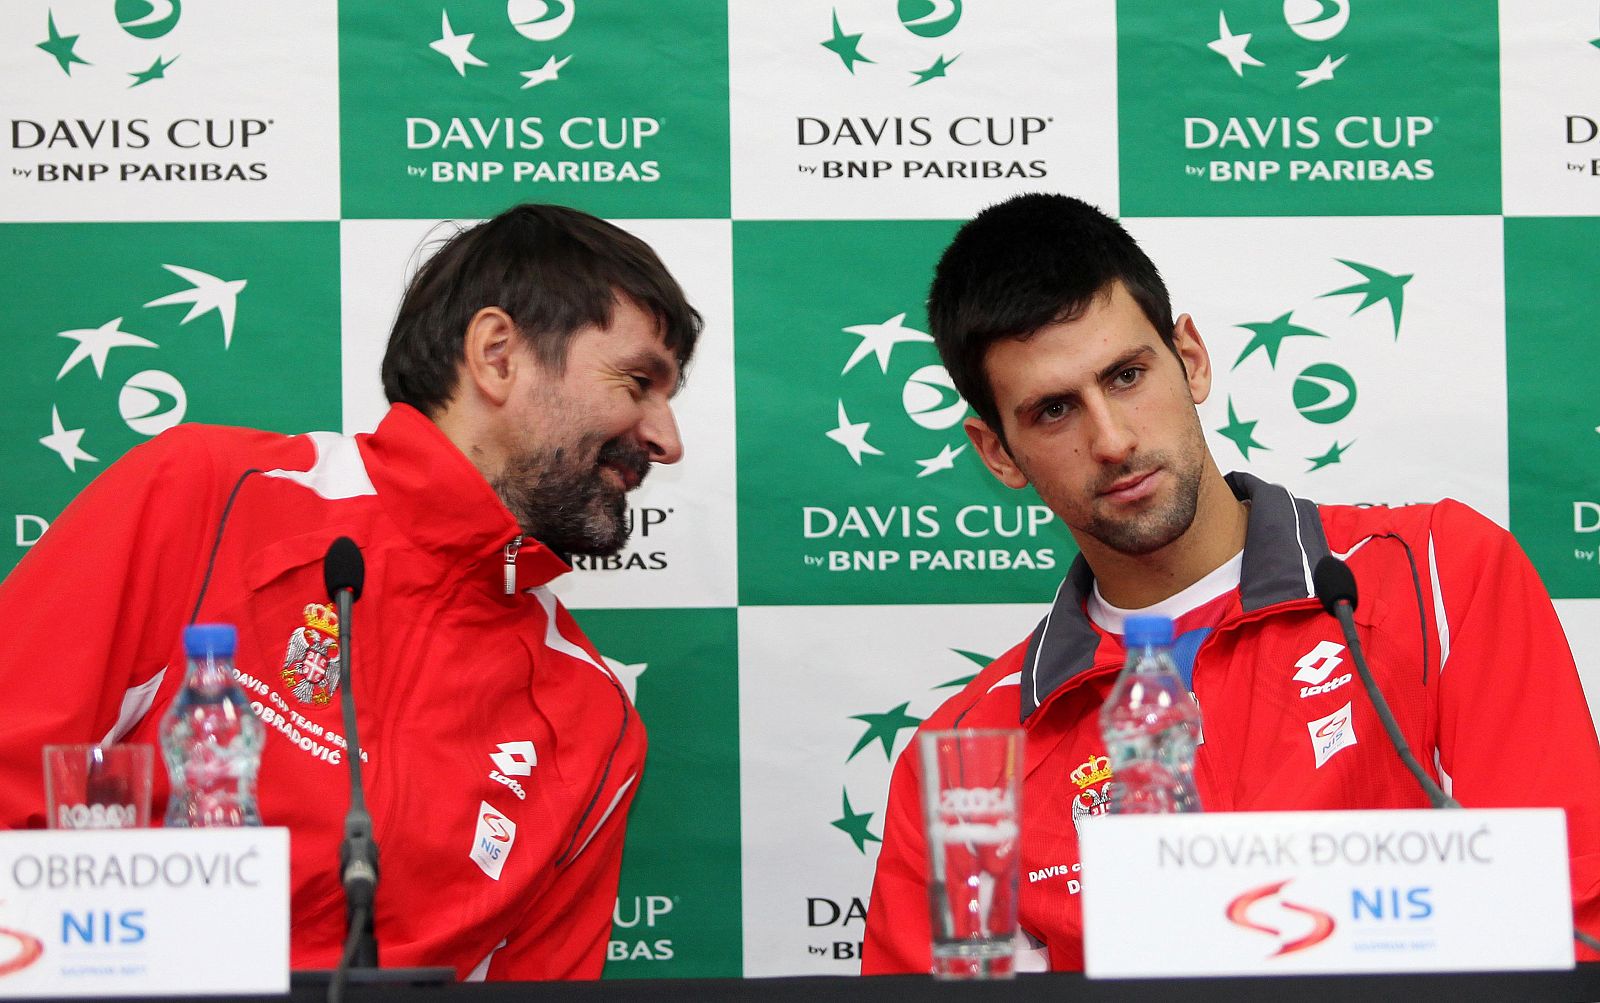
(1111, 438)
(660, 432)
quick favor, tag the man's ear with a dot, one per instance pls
(994, 453)
(1196, 360)
(491, 359)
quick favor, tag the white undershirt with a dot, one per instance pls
(1223, 580)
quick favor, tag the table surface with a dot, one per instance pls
(1583, 983)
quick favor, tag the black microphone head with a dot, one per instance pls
(1334, 583)
(343, 568)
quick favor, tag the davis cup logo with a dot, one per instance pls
(151, 400)
(1315, 22)
(1296, 417)
(536, 21)
(923, 433)
(920, 51)
(91, 44)
(1290, 107)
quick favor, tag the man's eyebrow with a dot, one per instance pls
(1123, 361)
(657, 365)
(1032, 404)
(1127, 359)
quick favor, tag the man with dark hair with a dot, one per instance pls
(1057, 329)
(530, 372)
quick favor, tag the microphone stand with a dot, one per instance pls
(1341, 611)
(358, 854)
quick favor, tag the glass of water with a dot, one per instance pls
(98, 786)
(971, 798)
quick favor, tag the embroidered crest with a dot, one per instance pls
(1093, 780)
(311, 663)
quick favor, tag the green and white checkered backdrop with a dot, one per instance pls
(1382, 217)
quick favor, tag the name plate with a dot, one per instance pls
(1265, 893)
(141, 912)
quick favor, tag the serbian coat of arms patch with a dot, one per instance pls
(311, 663)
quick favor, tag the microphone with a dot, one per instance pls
(343, 573)
(1336, 590)
(343, 569)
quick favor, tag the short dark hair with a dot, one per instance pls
(1024, 264)
(554, 270)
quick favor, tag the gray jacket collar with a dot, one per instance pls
(1283, 542)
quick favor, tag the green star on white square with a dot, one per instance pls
(62, 47)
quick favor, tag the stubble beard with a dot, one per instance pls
(1149, 531)
(567, 504)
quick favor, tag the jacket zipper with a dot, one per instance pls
(511, 565)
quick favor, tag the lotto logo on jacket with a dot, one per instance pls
(1316, 667)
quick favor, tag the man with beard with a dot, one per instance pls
(530, 371)
(1057, 329)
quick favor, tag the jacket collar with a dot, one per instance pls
(440, 500)
(1283, 542)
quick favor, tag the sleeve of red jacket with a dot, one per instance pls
(899, 931)
(1514, 728)
(570, 923)
(93, 609)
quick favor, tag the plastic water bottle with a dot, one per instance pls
(1151, 726)
(209, 737)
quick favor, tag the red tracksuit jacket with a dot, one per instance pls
(502, 755)
(1461, 638)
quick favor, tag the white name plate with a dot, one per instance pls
(1270, 893)
(140, 912)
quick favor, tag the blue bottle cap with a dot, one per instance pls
(203, 639)
(1146, 629)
